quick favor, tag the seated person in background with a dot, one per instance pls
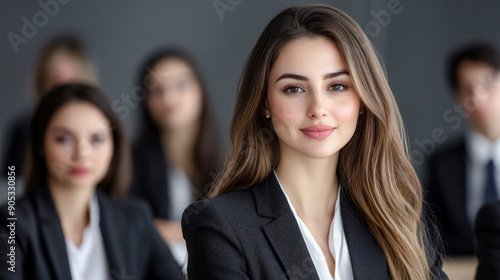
(71, 224)
(63, 60)
(487, 230)
(464, 176)
(176, 149)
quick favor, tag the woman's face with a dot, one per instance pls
(78, 145)
(175, 96)
(311, 99)
(65, 68)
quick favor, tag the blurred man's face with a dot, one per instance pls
(479, 92)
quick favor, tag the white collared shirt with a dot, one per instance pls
(480, 151)
(89, 260)
(180, 192)
(336, 242)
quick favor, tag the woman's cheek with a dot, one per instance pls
(283, 116)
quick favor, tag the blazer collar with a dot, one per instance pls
(53, 237)
(269, 198)
(110, 233)
(51, 233)
(156, 176)
(367, 258)
(283, 232)
(456, 187)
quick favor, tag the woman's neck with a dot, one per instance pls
(311, 184)
(72, 205)
(179, 145)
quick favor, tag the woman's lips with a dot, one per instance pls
(318, 131)
(79, 171)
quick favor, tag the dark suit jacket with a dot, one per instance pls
(14, 150)
(149, 179)
(487, 231)
(446, 198)
(133, 246)
(253, 234)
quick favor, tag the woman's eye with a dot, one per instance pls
(293, 90)
(338, 87)
(97, 139)
(62, 139)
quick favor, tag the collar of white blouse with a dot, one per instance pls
(89, 260)
(336, 242)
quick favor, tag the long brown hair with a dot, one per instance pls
(205, 154)
(116, 181)
(373, 167)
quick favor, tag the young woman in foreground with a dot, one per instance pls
(318, 184)
(70, 224)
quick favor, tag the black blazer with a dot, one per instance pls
(253, 234)
(487, 229)
(133, 246)
(446, 198)
(149, 177)
(16, 143)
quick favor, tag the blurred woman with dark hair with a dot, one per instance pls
(176, 150)
(72, 224)
(63, 60)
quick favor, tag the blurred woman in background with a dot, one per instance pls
(72, 224)
(177, 148)
(62, 60)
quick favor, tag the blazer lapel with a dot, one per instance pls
(456, 187)
(157, 176)
(368, 261)
(52, 234)
(110, 234)
(283, 232)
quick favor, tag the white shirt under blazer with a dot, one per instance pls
(336, 242)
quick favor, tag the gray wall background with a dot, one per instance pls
(120, 34)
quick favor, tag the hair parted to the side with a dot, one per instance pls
(116, 181)
(374, 167)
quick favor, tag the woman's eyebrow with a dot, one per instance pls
(61, 129)
(304, 78)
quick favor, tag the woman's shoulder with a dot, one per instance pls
(26, 213)
(25, 207)
(489, 215)
(223, 209)
(230, 203)
(491, 209)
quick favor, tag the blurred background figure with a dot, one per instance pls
(465, 175)
(487, 230)
(72, 222)
(63, 60)
(177, 147)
